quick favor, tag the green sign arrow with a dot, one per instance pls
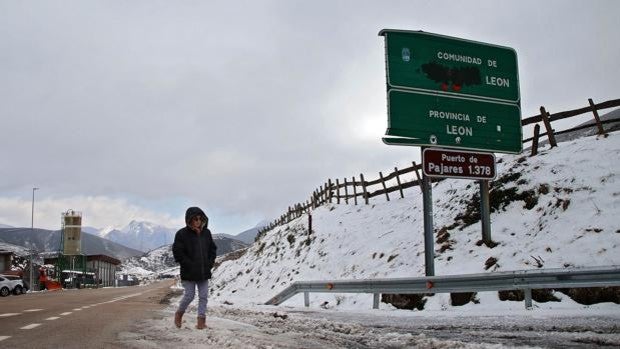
(435, 63)
(431, 120)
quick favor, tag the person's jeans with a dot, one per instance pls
(189, 293)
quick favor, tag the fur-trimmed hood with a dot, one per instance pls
(196, 211)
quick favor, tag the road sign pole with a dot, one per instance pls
(485, 212)
(429, 246)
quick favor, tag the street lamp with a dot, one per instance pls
(31, 253)
(32, 221)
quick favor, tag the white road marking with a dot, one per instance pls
(66, 313)
(4, 337)
(52, 318)
(8, 314)
(32, 310)
(77, 309)
(30, 327)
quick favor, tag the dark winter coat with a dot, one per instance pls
(194, 252)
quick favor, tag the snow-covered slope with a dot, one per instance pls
(557, 209)
(157, 261)
(160, 261)
(17, 250)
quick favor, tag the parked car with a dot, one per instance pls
(16, 285)
(6, 286)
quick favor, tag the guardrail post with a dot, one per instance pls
(528, 298)
(306, 299)
(375, 300)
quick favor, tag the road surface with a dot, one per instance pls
(140, 317)
(77, 318)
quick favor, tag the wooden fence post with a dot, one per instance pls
(384, 187)
(346, 192)
(416, 173)
(325, 193)
(364, 188)
(601, 131)
(354, 191)
(545, 117)
(329, 186)
(337, 191)
(400, 187)
(535, 140)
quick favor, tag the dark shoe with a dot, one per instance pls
(178, 319)
(201, 325)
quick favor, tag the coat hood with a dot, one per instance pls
(196, 211)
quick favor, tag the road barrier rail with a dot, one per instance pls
(525, 280)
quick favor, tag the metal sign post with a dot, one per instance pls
(485, 212)
(452, 93)
(429, 242)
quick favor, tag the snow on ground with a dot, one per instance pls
(511, 326)
(556, 210)
(560, 211)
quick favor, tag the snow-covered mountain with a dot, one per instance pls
(143, 236)
(17, 250)
(146, 236)
(160, 260)
(157, 261)
(558, 209)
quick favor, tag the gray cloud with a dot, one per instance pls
(247, 107)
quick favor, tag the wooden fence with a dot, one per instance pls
(359, 190)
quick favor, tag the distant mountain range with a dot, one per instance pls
(131, 241)
(161, 260)
(247, 236)
(42, 240)
(143, 236)
(146, 236)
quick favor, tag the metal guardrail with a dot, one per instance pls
(525, 280)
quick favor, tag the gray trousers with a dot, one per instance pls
(189, 288)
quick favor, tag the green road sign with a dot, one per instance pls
(450, 92)
(432, 120)
(451, 66)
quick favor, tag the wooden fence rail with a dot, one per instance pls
(354, 188)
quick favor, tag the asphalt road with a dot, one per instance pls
(77, 318)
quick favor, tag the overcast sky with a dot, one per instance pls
(137, 109)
